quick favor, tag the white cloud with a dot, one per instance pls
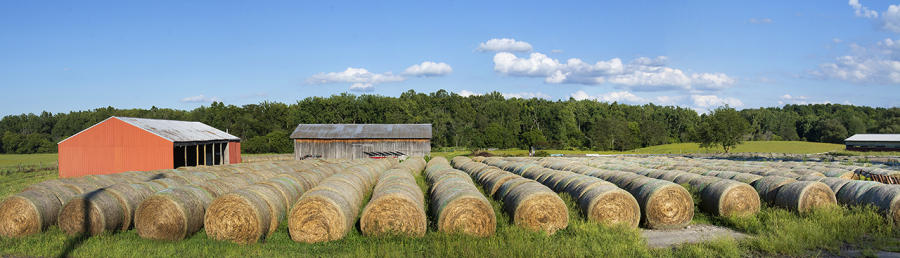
(642, 73)
(466, 93)
(504, 45)
(526, 95)
(556, 51)
(712, 101)
(891, 18)
(200, 99)
(760, 21)
(428, 68)
(862, 11)
(626, 97)
(799, 100)
(877, 63)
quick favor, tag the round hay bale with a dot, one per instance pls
(536, 207)
(172, 214)
(746, 178)
(767, 187)
(810, 177)
(240, 216)
(700, 183)
(289, 189)
(887, 199)
(843, 174)
(802, 196)
(852, 191)
(274, 201)
(664, 205)
(730, 198)
(92, 213)
(835, 183)
(129, 196)
(671, 176)
(28, 212)
(608, 204)
(685, 178)
(508, 186)
(320, 215)
(395, 210)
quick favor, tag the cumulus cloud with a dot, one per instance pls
(712, 101)
(862, 11)
(362, 80)
(525, 95)
(625, 97)
(876, 64)
(504, 45)
(428, 68)
(642, 73)
(466, 93)
(760, 20)
(200, 99)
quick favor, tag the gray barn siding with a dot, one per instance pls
(355, 149)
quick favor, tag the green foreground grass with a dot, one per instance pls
(774, 232)
(790, 147)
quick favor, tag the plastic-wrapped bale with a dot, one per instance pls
(835, 183)
(851, 193)
(886, 198)
(397, 206)
(536, 207)
(92, 213)
(328, 211)
(767, 187)
(730, 198)
(32, 211)
(457, 205)
(803, 196)
(172, 214)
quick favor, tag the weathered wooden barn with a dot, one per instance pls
(873, 142)
(120, 144)
(355, 141)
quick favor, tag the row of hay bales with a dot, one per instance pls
(530, 204)
(600, 201)
(397, 206)
(251, 213)
(781, 191)
(457, 205)
(329, 210)
(664, 205)
(847, 192)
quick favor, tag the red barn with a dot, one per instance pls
(120, 144)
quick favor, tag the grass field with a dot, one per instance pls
(773, 231)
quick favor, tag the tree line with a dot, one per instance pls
(481, 121)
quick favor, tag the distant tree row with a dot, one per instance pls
(488, 120)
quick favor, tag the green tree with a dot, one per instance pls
(724, 127)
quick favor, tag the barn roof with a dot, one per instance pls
(362, 131)
(174, 130)
(874, 138)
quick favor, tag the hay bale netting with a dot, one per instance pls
(397, 206)
(28, 212)
(664, 205)
(242, 216)
(92, 213)
(835, 183)
(328, 211)
(534, 206)
(767, 187)
(130, 196)
(852, 192)
(886, 198)
(172, 214)
(728, 198)
(457, 204)
(802, 196)
(607, 204)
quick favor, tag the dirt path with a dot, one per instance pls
(691, 234)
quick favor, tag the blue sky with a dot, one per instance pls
(77, 55)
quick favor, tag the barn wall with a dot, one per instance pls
(234, 152)
(354, 148)
(112, 147)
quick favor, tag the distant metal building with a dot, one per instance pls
(120, 144)
(355, 141)
(873, 142)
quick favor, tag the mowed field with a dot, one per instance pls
(773, 231)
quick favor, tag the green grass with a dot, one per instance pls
(792, 147)
(773, 232)
(865, 153)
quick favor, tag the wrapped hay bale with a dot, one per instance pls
(664, 205)
(767, 187)
(606, 203)
(727, 198)
(852, 192)
(397, 206)
(803, 196)
(172, 214)
(457, 204)
(130, 196)
(835, 183)
(328, 211)
(241, 216)
(886, 198)
(536, 207)
(92, 213)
